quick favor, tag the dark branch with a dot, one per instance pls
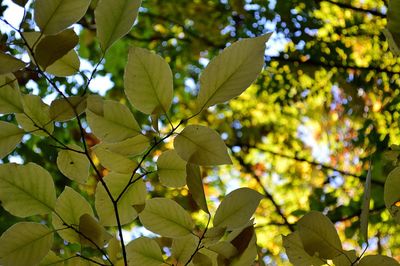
(358, 9)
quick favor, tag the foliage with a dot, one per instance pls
(145, 155)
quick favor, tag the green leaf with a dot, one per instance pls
(195, 184)
(391, 193)
(237, 208)
(201, 145)
(365, 206)
(73, 165)
(113, 249)
(54, 47)
(380, 260)
(249, 255)
(129, 147)
(183, 248)
(231, 72)
(53, 16)
(392, 32)
(393, 39)
(36, 116)
(114, 161)
(25, 243)
(10, 96)
(296, 253)
(61, 109)
(52, 259)
(148, 81)
(224, 248)
(171, 169)
(166, 217)
(319, 236)
(9, 64)
(347, 258)
(65, 66)
(26, 190)
(144, 251)
(70, 206)
(111, 121)
(93, 234)
(134, 195)
(10, 137)
(200, 259)
(114, 19)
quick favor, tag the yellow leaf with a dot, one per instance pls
(9, 64)
(61, 110)
(144, 251)
(93, 234)
(65, 66)
(10, 96)
(391, 194)
(73, 165)
(10, 137)
(296, 253)
(171, 169)
(195, 185)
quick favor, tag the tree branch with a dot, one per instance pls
(358, 9)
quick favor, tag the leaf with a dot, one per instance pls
(114, 19)
(144, 251)
(200, 259)
(73, 165)
(166, 217)
(36, 117)
(9, 64)
(10, 137)
(25, 243)
(54, 47)
(242, 240)
(201, 145)
(195, 185)
(114, 161)
(21, 194)
(183, 248)
(113, 249)
(393, 39)
(296, 253)
(130, 147)
(347, 258)
(112, 121)
(65, 66)
(237, 208)
(134, 195)
(224, 248)
(391, 194)
(365, 206)
(171, 169)
(61, 109)
(53, 16)
(148, 81)
(231, 72)
(10, 96)
(380, 260)
(52, 259)
(319, 236)
(70, 206)
(392, 32)
(93, 234)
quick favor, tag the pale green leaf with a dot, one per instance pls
(319, 236)
(78, 261)
(201, 259)
(10, 96)
(36, 118)
(73, 165)
(129, 147)
(53, 16)
(54, 47)
(25, 243)
(144, 251)
(237, 208)
(365, 206)
(231, 72)
(171, 169)
(52, 259)
(114, 19)
(392, 193)
(93, 234)
(134, 195)
(296, 253)
(148, 81)
(166, 217)
(26, 190)
(213, 235)
(63, 110)
(112, 121)
(10, 137)
(201, 145)
(195, 184)
(9, 64)
(183, 248)
(347, 258)
(70, 206)
(249, 255)
(113, 249)
(114, 161)
(224, 248)
(378, 260)
(65, 66)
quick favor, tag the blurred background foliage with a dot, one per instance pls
(302, 135)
